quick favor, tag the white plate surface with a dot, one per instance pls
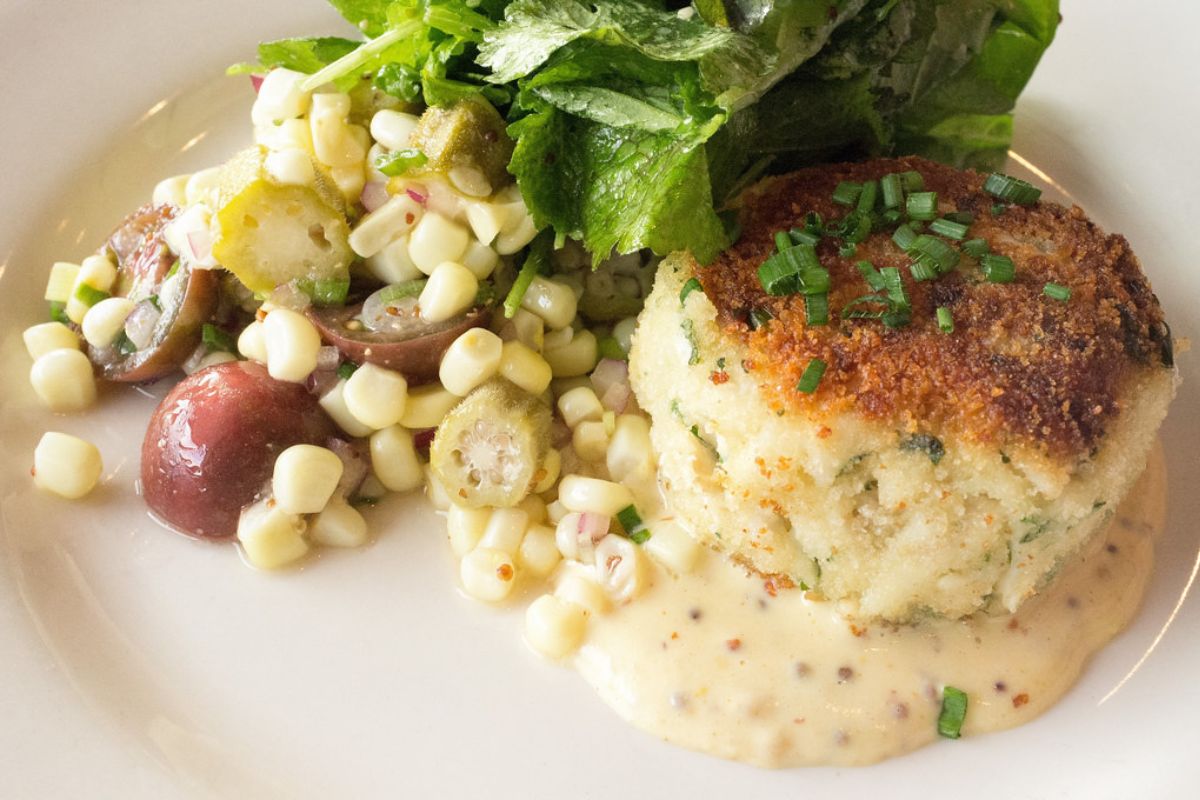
(137, 664)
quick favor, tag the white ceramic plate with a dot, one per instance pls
(137, 664)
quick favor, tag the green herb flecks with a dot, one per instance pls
(953, 713)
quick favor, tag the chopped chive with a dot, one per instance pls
(759, 317)
(997, 268)
(1011, 190)
(216, 339)
(912, 180)
(976, 248)
(1057, 291)
(325, 291)
(346, 369)
(922, 205)
(402, 290)
(945, 320)
(892, 189)
(939, 255)
(632, 523)
(816, 309)
(609, 347)
(953, 713)
(811, 377)
(814, 281)
(124, 345)
(171, 272)
(964, 217)
(783, 240)
(891, 216)
(399, 162)
(949, 228)
(814, 224)
(922, 270)
(691, 285)
(847, 193)
(868, 196)
(804, 236)
(856, 227)
(870, 275)
(904, 236)
(58, 312)
(998, 209)
(847, 250)
(89, 295)
(781, 274)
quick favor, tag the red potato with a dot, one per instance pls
(211, 445)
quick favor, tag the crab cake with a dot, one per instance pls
(927, 471)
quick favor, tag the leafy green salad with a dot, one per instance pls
(635, 121)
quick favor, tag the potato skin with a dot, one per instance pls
(211, 445)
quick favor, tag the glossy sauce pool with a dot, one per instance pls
(721, 662)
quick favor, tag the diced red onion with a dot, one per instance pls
(354, 465)
(200, 241)
(328, 358)
(256, 82)
(141, 322)
(417, 192)
(374, 195)
(422, 439)
(592, 526)
(193, 361)
(616, 399)
(288, 295)
(576, 535)
(320, 381)
(610, 379)
(443, 200)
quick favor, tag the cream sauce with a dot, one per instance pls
(720, 662)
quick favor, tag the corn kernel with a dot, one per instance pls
(427, 406)
(393, 129)
(469, 181)
(480, 259)
(105, 321)
(630, 454)
(376, 396)
(393, 219)
(525, 368)
(66, 465)
(487, 574)
(574, 359)
(671, 546)
(548, 474)
(582, 494)
(451, 290)
(465, 527)
(49, 336)
(203, 186)
(505, 530)
(170, 191)
(250, 343)
(436, 239)
(305, 477)
(622, 567)
(270, 537)
(486, 220)
(334, 403)
(394, 459)
(435, 491)
(280, 97)
(551, 300)
(516, 236)
(392, 264)
(575, 587)
(63, 380)
(292, 345)
(590, 440)
(61, 283)
(539, 552)
(338, 525)
(579, 405)
(471, 359)
(555, 627)
(290, 166)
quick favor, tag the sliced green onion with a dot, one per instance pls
(976, 248)
(171, 272)
(868, 196)
(346, 369)
(904, 236)
(759, 317)
(912, 180)
(847, 250)
(998, 209)
(485, 294)
(899, 311)
(945, 320)
(891, 216)
(856, 227)
(814, 224)
(811, 377)
(949, 228)
(89, 295)
(804, 236)
(870, 275)
(893, 190)
(783, 240)
(997, 268)
(814, 281)
(535, 262)
(399, 162)
(609, 347)
(965, 217)
(922, 205)
(816, 309)
(215, 339)
(1057, 291)
(691, 285)
(953, 713)
(632, 523)
(939, 255)
(781, 273)
(325, 291)
(402, 290)
(1011, 190)
(124, 345)
(58, 312)
(847, 193)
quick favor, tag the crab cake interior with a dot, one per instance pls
(930, 472)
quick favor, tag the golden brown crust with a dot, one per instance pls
(1019, 367)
